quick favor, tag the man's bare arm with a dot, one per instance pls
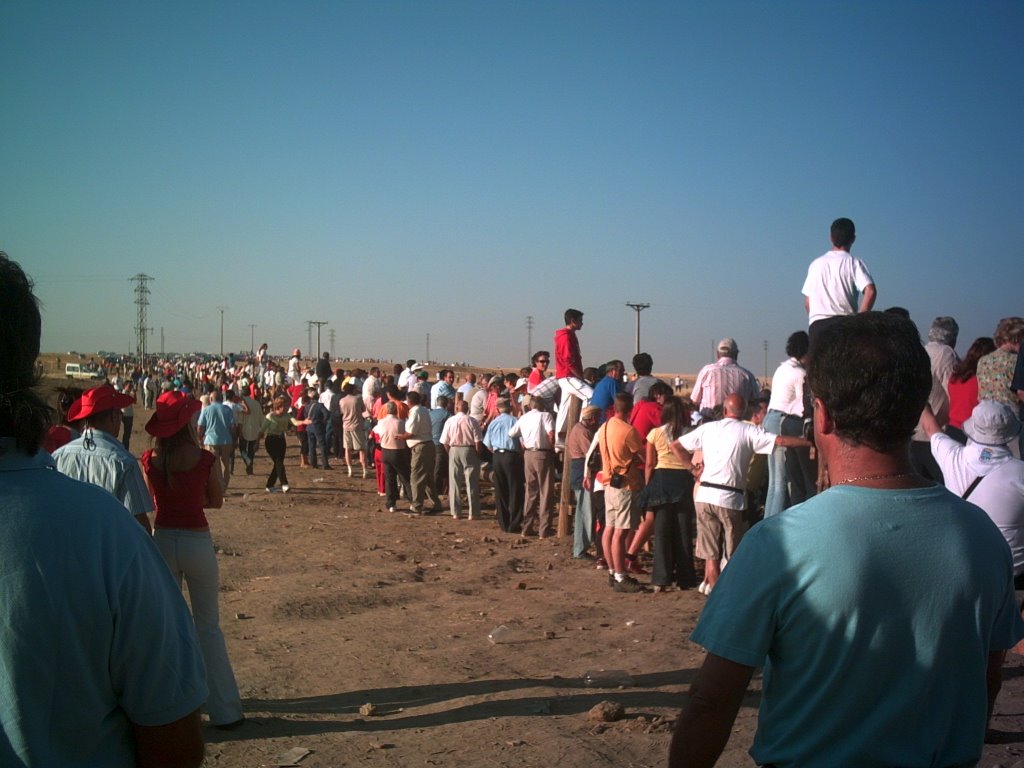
(929, 423)
(704, 725)
(681, 453)
(175, 745)
(867, 299)
(788, 441)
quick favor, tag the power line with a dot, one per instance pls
(529, 336)
(141, 291)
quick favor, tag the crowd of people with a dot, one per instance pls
(864, 513)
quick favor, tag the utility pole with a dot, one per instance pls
(252, 338)
(318, 324)
(330, 335)
(141, 302)
(309, 336)
(529, 336)
(638, 307)
(427, 358)
(161, 341)
(766, 358)
(221, 310)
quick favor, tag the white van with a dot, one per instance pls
(76, 371)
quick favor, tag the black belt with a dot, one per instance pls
(539, 449)
(504, 450)
(731, 488)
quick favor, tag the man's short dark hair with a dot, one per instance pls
(643, 363)
(414, 398)
(623, 402)
(572, 314)
(797, 344)
(843, 233)
(873, 375)
(410, 363)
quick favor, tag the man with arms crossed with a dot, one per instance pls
(880, 609)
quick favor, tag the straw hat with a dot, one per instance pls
(173, 411)
(98, 400)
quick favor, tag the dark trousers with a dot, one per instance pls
(396, 472)
(275, 446)
(441, 469)
(126, 430)
(673, 544)
(923, 462)
(247, 450)
(317, 439)
(801, 469)
(334, 433)
(508, 489)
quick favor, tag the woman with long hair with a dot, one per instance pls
(184, 480)
(963, 387)
(669, 492)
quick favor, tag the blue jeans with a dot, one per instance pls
(583, 527)
(777, 499)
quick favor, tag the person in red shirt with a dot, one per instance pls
(569, 371)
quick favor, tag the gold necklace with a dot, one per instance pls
(886, 476)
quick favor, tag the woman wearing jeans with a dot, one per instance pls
(183, 480)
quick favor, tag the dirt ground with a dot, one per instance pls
(362, 636)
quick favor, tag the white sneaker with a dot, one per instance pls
(285, 488)
(703, 588)
(364, 473)
(391, 509)
(269, 489)
(349, 470)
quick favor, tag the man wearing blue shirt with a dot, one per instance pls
(218, 431)
(507, 462)
(97, 457)
(607, 388)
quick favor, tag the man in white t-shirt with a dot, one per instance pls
(838, 283)
(984, 472)
(728, 446)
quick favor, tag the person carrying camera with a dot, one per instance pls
(622, 451)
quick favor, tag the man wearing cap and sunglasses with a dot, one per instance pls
(98, 457)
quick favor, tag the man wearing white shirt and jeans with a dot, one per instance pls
(791, 480)
(721, 497)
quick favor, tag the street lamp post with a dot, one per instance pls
(639, 307)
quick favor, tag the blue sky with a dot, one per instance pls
(399, 169)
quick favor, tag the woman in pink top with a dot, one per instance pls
(963, 387)
(183, 480)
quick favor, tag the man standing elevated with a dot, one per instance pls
(880, 608)
(569, 370)
(838, 283)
